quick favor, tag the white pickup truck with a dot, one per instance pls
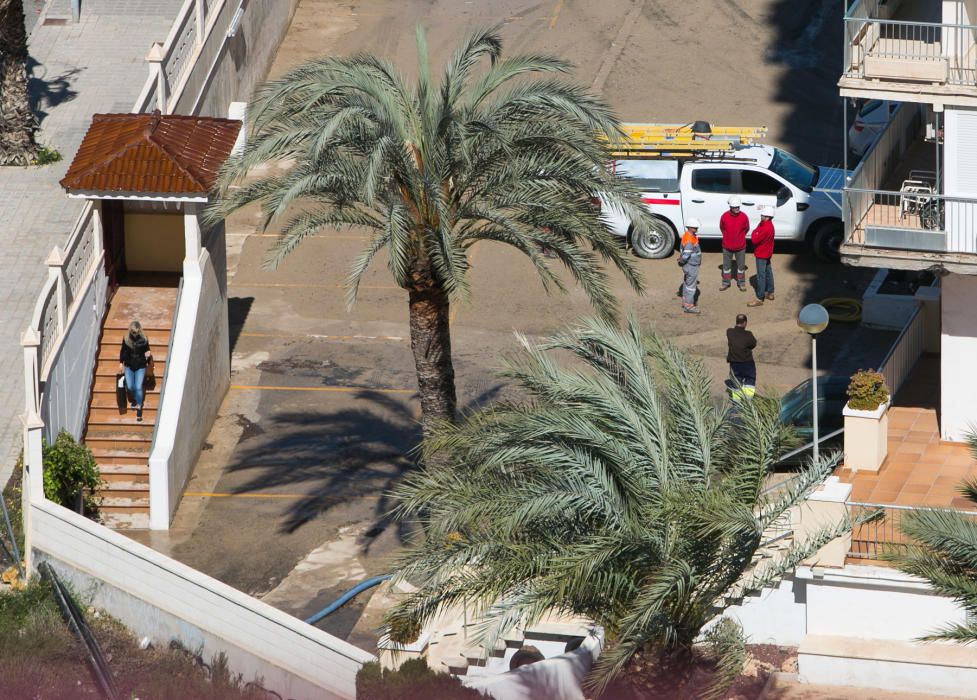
(806, 198)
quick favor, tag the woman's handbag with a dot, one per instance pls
(121, 397)
(150, 382)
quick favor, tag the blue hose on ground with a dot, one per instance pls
(346, 597)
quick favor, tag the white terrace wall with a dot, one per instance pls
(197, 377)
(162, 599)
(230, 70)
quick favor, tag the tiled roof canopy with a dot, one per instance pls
(151, 153)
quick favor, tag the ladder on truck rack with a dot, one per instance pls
(684, 140)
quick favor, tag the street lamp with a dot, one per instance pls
(813, 319)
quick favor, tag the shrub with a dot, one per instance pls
(867, 390)
(70, 469)
(412, 681)
(48, 155)
(12, 494)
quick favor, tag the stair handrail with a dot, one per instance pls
(162, 389)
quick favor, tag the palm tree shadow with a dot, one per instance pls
(332, 457)
(45, 93)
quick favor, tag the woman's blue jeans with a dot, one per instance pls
(134, 382)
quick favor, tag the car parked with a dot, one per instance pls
(870, 121)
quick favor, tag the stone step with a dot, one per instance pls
(115, 499)
(123, 485)
(107, 399)
(125, 518)
(140, 432)
(158, 337)
(112, 416)
(110, 368)
(107, 384)
(123, 470)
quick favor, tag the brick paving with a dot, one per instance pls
(76, 70)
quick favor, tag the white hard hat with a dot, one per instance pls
(766, 210)
(692, 223)
(733, 201)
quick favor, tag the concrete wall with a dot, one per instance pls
(776, 616)
(64, 401)
(154, 242)
(163, 599)
(197, 376)
(230, 70)
(874, 602)
(958, 370)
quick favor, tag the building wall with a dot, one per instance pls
(64, 403)
(230, 71)
(958, 368)
(160, 598)
(154, 242)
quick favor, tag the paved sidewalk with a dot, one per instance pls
(76, 70)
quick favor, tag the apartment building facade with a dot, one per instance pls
(911, 203)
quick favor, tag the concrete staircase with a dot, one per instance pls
(120, 444)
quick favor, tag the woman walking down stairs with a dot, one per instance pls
(118, 440)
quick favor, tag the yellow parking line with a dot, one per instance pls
(333, 389)
(556, 13)
(207, 494)
(309, 286)
(338, 236)
(318, 336)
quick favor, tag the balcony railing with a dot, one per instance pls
(895, 51)
(911, 219)
(869, 540)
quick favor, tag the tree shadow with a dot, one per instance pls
(333, 457)
(45, 93)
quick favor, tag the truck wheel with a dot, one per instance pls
(827, 241)
(658, 241)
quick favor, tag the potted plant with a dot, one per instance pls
(866, 421)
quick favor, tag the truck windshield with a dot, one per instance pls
(794, 170)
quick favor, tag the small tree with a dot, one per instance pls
(867, 390)
(944, 552)
(17, 122)
(70, 473)
(619, 491)
(414, 680)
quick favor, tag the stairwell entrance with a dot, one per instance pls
(149, 177)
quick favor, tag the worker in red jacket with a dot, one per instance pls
(762, 240)
(734, 225)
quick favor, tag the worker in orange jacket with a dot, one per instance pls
(690, 259)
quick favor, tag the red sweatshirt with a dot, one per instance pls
(734, 230)
(762, 239)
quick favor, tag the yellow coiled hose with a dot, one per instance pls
(843, 309)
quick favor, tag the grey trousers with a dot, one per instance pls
(740, 257)
(691, 276)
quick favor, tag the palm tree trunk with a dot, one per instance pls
(430, 340)
(17, 145)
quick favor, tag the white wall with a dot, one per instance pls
(64, 401)
(874, 602)
(958, 357)
(161, 598)
(776, 616)
(197, 376)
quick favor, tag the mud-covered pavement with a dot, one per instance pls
(289, 499)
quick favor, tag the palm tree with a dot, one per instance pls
(17, 123)
(508, 155)
(619, 490)
(944, 553)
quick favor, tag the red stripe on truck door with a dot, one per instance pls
(650, 200)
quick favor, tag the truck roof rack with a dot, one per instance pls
(695, 139)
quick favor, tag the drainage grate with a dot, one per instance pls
(54, 20)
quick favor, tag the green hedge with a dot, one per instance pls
(412, 681)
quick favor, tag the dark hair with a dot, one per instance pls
(740, 319)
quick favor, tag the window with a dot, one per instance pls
(794, 170)
(650, 175)
(758, 183)
(713, 180)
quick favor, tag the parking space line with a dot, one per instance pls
(296, 285)
(208, 494)
(338, 236)
(318, 336)
(556, 13)
(331, 389)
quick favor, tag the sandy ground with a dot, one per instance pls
(289, 498)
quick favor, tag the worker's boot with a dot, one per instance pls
(769, 296)
(691, 309)
(756, 302)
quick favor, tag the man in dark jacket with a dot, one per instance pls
(740, 357)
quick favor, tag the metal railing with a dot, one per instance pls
(919, 52)
(905, 352)
(911, 219)
(871, 539)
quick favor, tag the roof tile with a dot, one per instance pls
(151, 153)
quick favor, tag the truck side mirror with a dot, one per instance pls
(783, 196)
